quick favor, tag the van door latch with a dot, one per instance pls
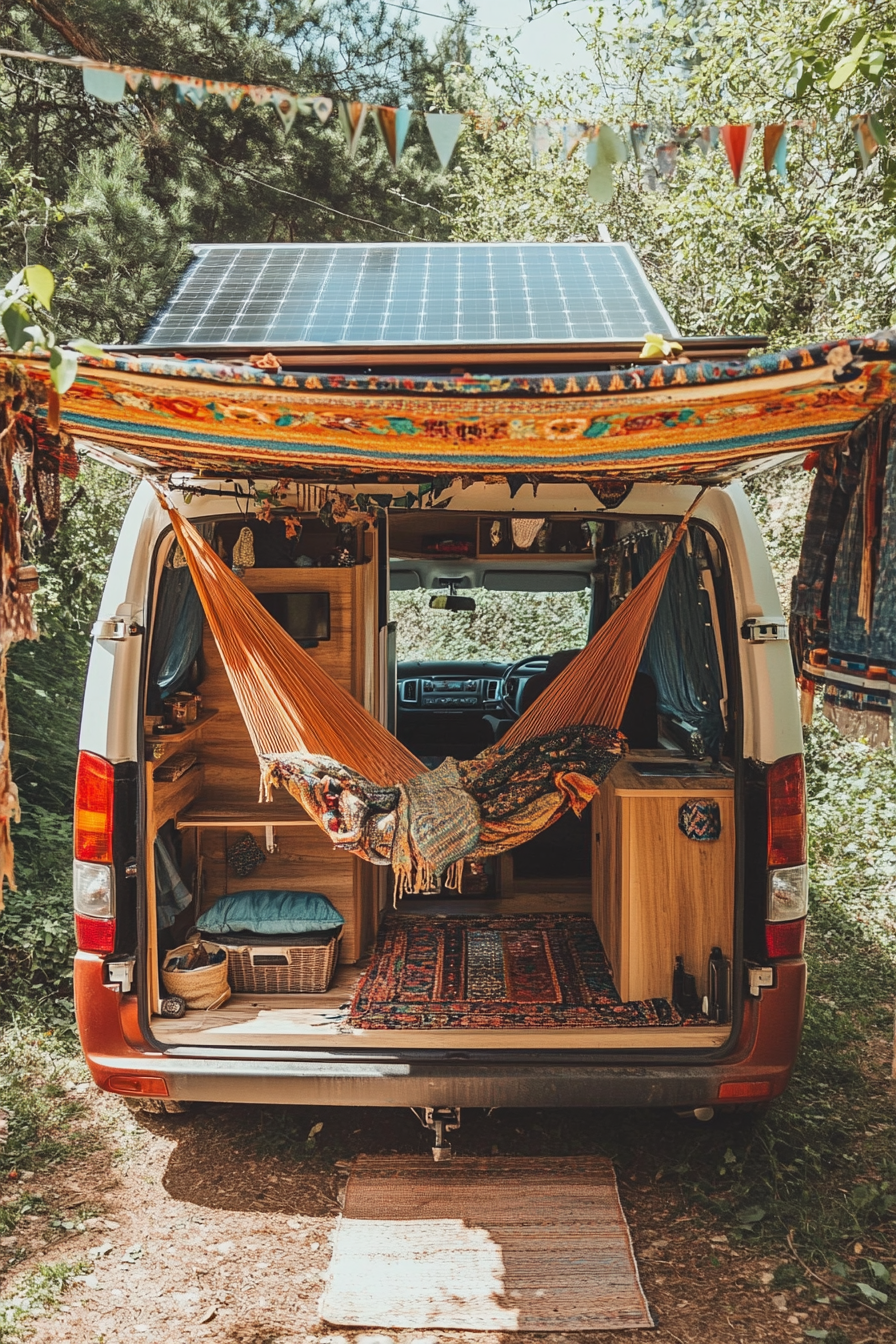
(760, 977)
(763, 629)
(120, 975)
(115, 628)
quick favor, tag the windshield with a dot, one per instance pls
(504, 627)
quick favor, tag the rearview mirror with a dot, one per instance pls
(451, 602)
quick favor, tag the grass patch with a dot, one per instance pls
(37, 1294)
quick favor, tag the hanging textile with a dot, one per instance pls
(177, 627)
(643, 422)
(367, 791)
(843, 613)
(681, 654)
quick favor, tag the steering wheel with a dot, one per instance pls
(521, 670)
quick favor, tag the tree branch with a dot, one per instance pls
(57, 18)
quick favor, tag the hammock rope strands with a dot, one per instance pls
(368, 792)
(289, 704)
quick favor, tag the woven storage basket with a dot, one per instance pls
(202, 987)
(283, 969)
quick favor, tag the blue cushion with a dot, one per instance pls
(271, 912)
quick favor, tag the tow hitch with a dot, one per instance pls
(441, 1120)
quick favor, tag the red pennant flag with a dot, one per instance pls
(736, 140)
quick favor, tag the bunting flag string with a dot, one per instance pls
(656, 150)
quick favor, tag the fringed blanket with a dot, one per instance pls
(461, 810)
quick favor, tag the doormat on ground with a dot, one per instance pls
(484, 1243)
(497, 971)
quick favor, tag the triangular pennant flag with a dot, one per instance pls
(736, 140)
(158, 79)
(261, 94)
(444, 129)
(604, 149)
(638, 132)
(774, 149)
(707, 139)
(572, 133)
(287, 105)
(352, 117)
(392, 124)
(107, 85)
(321, 107)
(189, 89)
(230, 92)
(133, 78)
(667, 159)
(541, 137)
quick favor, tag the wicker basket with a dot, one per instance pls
(202, 987)
(283, 969)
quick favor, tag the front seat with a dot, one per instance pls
(639, 722)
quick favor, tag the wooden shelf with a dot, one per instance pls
(170, 741)
(233, 811)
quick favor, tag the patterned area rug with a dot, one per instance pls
(497, 971)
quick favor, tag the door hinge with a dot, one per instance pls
(763, 629)
(111, 629)
(120, 975)
(760, 977)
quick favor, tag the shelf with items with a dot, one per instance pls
(161, 746)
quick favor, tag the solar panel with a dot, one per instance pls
(400, 294)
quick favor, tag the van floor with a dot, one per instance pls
(290, 1021)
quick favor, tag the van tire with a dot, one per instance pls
(156, 1105)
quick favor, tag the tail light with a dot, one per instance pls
(94, 876)
(787, 895)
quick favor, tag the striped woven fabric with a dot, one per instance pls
(689, 419)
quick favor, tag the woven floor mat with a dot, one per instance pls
(484, 1243)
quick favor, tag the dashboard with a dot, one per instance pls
(449, 687)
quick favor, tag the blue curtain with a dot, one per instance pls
(681, 654)
(177, 629)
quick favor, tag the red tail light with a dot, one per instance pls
(94, 793)
(785, 940)
(786, 786)
(94, 935)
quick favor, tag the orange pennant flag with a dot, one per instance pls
(736, 140)
(771, 142)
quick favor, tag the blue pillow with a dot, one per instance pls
(271, 912)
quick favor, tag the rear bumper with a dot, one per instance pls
(120, 1061)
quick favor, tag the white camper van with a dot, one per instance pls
(646, 953)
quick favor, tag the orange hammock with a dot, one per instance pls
(372, 795)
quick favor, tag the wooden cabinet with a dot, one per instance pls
(657, 894)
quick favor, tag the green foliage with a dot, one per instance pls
(809, 258)
(503, 626)
(38, 1075)
(36, 1295)
(45, 684)
(116, 193)
(23, 301)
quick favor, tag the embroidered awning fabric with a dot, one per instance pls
(680, 421)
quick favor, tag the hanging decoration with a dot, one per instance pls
(444, 129)
(352, 117)
(656, 149)
(736, 141)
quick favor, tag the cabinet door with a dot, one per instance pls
(679, 897)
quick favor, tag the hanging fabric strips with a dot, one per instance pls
(774, 149)
(869, 135)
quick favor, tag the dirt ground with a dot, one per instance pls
(216, 1225)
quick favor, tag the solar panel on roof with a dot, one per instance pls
(391, 294)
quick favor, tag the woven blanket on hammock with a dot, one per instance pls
(462, 809)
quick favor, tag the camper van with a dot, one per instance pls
(645, 953)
